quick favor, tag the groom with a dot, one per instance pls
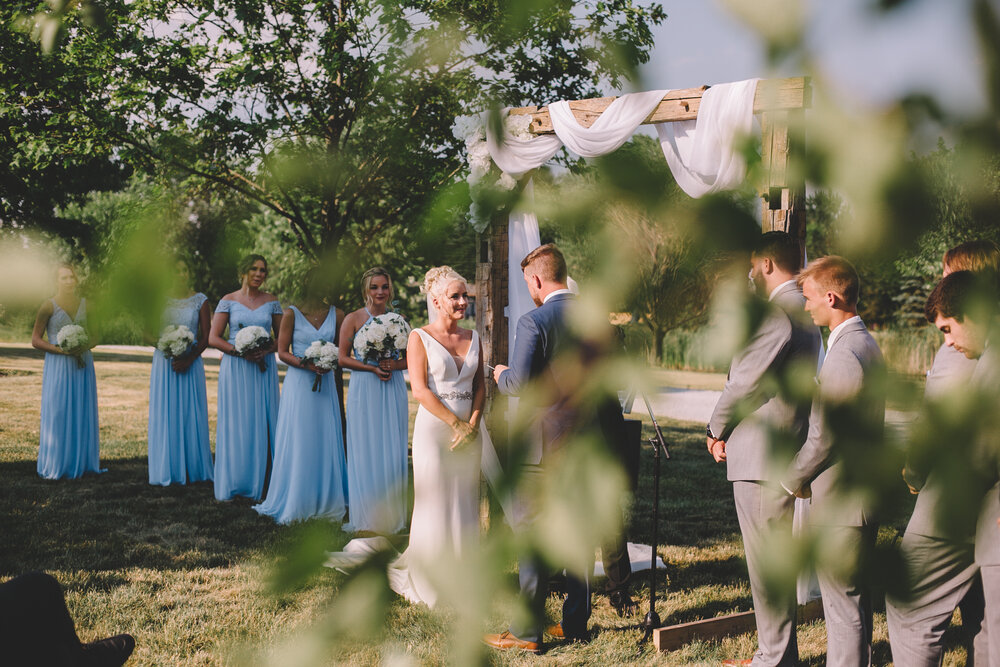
(541, 334)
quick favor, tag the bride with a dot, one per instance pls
(446, 375)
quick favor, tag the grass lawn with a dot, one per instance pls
(191, 578)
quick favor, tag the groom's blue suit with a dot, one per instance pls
(541, 335)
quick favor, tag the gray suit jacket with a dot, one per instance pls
(784, 338)
(951, 369)
(852, 364)
(986, 379)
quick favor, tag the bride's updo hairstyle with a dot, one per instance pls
(437, 280)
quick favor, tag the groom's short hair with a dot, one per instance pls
(547, 262)
(781, 248)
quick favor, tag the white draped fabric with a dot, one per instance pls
(704, 154)
(611, 129)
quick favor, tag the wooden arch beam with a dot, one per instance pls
(678, 105)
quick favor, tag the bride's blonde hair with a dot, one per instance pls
(437, 280)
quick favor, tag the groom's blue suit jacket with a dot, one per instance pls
(541, 335)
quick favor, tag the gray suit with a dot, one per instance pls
(940, 561)
(853, 363)
(986, 379)
(784, 337)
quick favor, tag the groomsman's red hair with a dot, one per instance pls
(834, 274)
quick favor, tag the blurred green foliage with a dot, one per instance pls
(321, 132)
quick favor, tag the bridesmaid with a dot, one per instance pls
(179, 450)
(309, 477)
(248, 397)
(376, 421)
(68, 438)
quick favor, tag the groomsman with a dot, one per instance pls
(750, 415)
(964, 307)
(542, 336)
(940, 559)
(845, 399)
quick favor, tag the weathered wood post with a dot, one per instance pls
(783, 191)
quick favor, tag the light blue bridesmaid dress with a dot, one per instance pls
(247, 409)
(376, 450)
(308, 478)
(179, 450)
(68, 437)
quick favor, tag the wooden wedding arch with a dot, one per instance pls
(780, 106)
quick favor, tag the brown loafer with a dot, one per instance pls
(505, 640)
(737, 663)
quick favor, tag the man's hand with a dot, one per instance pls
(497, 370)
(913, 489)
(717, 448)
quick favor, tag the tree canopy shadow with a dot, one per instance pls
(117, 520)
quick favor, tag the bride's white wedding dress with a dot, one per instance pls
(445, 521)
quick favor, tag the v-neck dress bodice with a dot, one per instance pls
(309, 477)
(179, 450)
(68, 439)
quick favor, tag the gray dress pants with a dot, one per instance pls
(765, 517)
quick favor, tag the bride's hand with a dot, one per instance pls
(464, 432)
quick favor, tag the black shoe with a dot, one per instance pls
(110, 652)
(622, 602)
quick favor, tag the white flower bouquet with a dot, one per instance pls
(72, 339)
(251, 339)
(175, 339)
(383, 337)
(322, 355)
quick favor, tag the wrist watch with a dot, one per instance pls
(708, 431)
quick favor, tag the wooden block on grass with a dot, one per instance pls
(673, 637)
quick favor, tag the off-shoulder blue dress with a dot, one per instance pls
(247, 409)
(68, 436)
(179, 450)
(309, 477)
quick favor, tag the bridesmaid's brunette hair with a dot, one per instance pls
(65, 265)
(366, 282)
(247, 263)
(317, 285)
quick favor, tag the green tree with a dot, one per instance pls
(334, 116)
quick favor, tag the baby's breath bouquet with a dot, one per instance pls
(251, 339)
(175, 339)
(322, 355)
(72, 339)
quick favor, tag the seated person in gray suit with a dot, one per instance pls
(964, 307)
(845, 423)
(939, 556)
(784, 341)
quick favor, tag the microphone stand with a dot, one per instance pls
(659, 444)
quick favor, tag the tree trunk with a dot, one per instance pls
(658, 335)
